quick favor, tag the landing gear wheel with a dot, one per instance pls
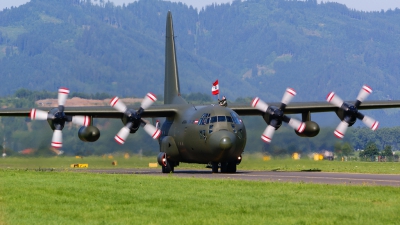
(214, 166)
(228, 167)
(231, 167)
(169, 168)
(224, 167)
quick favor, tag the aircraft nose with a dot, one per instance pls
(222, 140)
(225, 143)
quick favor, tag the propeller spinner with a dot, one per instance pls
(350, 111)
(58, 118)
(277, 115)
(134, 118)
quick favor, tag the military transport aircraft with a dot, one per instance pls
(205, 134)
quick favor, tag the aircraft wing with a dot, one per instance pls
(96, 112)
(312, 107)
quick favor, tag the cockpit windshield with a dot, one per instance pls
(208, 119)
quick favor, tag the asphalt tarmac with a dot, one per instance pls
(271, 176)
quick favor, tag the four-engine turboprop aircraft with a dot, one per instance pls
(200, 134)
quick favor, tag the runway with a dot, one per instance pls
(271, 176)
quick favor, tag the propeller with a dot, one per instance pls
(350, 111)
(277, 116)
(134, 118)
(57, 117)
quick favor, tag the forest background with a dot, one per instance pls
(254, 48)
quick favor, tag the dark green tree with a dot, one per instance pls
(370, 151)
(387, 153)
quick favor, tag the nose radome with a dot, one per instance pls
(225, 143)
(222, 140)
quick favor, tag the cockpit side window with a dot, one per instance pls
(205, 119)
(213, 119)
(235, 118)
(221, 118)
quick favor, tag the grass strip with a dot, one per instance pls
(249, 162)
(33, 197)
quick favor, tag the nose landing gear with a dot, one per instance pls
(226, 167)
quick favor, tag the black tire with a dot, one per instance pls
(214, 167)
(169, 167)
(224, 167)
(232, 167)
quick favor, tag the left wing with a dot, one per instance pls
(96, 112)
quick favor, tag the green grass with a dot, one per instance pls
(249, 162)
(29, 197)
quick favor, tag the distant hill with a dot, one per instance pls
(254, 47)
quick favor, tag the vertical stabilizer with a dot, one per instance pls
(171, 88)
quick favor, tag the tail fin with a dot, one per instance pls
(172, 93)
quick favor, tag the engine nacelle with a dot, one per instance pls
(311, 130)
(89, 133)
(267, 118)
(136, 123)
(342, 114)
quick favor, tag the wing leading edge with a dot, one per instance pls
(312, 107)
(97, 112)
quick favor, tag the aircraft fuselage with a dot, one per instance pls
(203, 134)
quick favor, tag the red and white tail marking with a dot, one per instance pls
(118, 105)
(259, 104)
(148, 100)
(334, 99)
(62, 95)
(364, 93)
(288, 96)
